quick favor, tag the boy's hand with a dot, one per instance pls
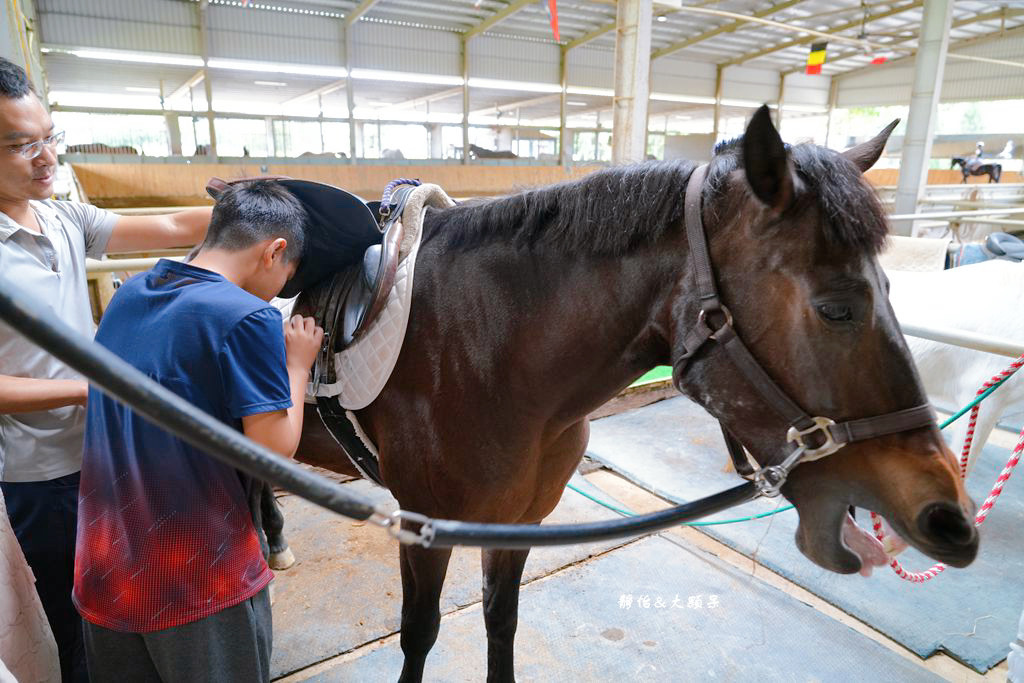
(302, 340)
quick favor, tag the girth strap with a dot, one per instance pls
(337, 423)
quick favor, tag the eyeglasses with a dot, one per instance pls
(30, 150)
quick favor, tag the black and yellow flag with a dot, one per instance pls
(816, 58)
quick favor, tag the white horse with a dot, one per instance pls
(986, 298)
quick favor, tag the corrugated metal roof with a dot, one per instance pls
(423, 36)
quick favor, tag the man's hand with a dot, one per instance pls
(302, 340)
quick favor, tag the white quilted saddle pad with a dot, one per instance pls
(364, 367)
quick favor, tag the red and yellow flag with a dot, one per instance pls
(816, 58)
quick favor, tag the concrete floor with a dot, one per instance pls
(368, 643)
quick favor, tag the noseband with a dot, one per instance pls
(813, 437)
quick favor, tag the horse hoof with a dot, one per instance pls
(282, 560)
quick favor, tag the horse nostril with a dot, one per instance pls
(947, 523)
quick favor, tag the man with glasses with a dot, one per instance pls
(43, 246)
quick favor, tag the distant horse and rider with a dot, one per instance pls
(976, 165)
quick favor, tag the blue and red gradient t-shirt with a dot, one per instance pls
(165, 532)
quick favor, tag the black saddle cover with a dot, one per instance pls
(341, 228)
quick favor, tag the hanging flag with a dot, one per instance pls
(881, 57)
(552, 9)
(816, 58)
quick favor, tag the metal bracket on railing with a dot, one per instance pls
(392, 523)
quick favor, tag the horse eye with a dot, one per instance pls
(836, 313)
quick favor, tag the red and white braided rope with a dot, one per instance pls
(1014, 367)
(997, 488)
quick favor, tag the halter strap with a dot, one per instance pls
(814, 437)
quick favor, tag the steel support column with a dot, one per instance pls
(350, 97)
(929, 65)
(778, 102)
(564, 151)
(718, 103)
(632, 80)
(465, 100)
(833, 92)
(204, 41)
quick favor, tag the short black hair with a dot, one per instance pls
(251, 212)
(14, 81)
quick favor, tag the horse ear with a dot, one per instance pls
(866, 154)
(766, 162)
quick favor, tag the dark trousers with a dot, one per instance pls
(231, 646)
(44, 516)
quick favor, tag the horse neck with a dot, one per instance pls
(583, 326)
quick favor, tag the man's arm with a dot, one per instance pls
(28, 395)
(141, 233)
(280, 430)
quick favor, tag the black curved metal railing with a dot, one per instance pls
(125, 383)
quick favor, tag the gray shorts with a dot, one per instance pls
(231, 645)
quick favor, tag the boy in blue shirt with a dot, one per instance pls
(169, 575)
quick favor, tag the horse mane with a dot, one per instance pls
(613, 211)
(853, 217)
(607, 213)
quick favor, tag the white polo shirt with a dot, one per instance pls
(51, 267)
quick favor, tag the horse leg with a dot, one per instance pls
(281, 556)
(503, 571)
(423, 573)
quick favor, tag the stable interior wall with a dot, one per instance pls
(114, 185)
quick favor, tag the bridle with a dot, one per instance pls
(813, 437)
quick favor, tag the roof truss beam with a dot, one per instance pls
(966, 42)
(498, 16)
(317, 92)
(193, 80)
(359, 10)
(899, 9)
(511, 106)
(426, 99)
(959, 23)
(727, 28)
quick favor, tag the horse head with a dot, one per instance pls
(793, 235)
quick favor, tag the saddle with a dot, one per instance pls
(350, 378)
(344, 239)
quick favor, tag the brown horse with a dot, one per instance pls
(530, 311)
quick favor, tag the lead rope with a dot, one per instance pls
(997, 488)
